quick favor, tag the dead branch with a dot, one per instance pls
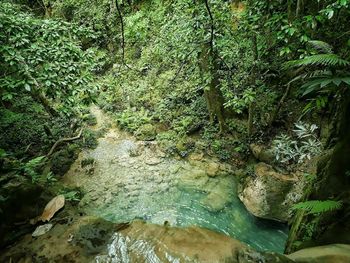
(64, 140)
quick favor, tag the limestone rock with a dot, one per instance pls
(215, 201)
(219, 194)
(172, 244)
(193, 179)
(261, 153)
(41, 230)
(96, 240)
(270, 194)
(212, 169)
(335, 253)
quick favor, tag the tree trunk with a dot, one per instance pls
(212, 92)
(40, 98)
(332, 182)
(300, 8)
(289, 10)
(209, 67)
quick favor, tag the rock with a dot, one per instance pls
(195, 156)
(215, 202)
(146, 132)
(261, 153)
(153, 161)
(220, 194)
(270, 194)
(90, 239)
(22, 202)
(136, 149)
(335, 253)
(41, 230)
(141, 241)
(193, 179)
(212, 169)
(62, 160)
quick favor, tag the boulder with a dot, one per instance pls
(20, 201)
(142, 242)
(215, 201)
(335, 253)
(261, 153)
(146, 132)
(220, 194)
(89, 239)
(212, 169)
(193, 179)
(270, 194)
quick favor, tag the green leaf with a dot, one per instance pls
(27, 87)
(318, 206)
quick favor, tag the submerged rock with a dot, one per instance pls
(270, 194)
(220, 194)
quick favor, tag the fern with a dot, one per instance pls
(318, 206)
(317, 60)
(319, 83)
(321, 46)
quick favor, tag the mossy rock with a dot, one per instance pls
(90, 119)
(185, 146)
(94, 234)
(20, 201)
(62, 160)
(146, 132)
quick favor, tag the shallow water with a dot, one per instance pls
(134, 180)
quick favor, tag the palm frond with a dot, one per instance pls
(321, 46)
(317, 60)
(322, 82)
(312, 74)
(318, 206)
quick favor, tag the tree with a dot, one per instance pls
(44, 58)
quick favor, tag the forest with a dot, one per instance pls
(175, 131)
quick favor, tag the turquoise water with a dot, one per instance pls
(184, 207)
(147, 185)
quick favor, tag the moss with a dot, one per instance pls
(94, 236)
(21, 200)
(90, 139)
(63, 159)
(90, 119)
(146, 132)
(87, 161)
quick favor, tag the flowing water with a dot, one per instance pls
(131, 179)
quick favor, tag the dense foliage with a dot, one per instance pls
(208, 75)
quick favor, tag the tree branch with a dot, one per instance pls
(211, 25)
(64, 140)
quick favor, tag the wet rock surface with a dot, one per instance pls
(334, 253)
(270, 194)
(135, 179)
(90, 239)
(124, 179)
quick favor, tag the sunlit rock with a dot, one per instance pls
(269, 194)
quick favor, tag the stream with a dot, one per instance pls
(124, 179)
